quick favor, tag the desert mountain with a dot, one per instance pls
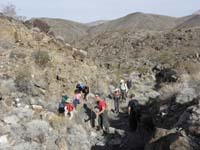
(71, 31)
(37, 68)
(190, 21)
(136, 21)
(95, 23)
(197, 12)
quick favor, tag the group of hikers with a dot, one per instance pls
(66, 106)
(119, 95)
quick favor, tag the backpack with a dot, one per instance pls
(70, 107)
(61, 107)
(64, 98)
(129, 84)
(80, 86)
(122, 87)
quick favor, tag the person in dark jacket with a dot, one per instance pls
(84, 89)
(133, 112)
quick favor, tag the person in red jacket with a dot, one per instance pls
(102, 114)
(69, 108)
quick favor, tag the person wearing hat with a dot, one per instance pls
(103, 122)
(116, 97)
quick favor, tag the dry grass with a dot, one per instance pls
(42, 58)
(58, 121)
(23, 78)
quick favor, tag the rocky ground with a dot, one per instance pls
(35, 69)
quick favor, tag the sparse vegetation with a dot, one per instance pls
(142, 70)
(42, 58)
(17, 55)
(22, 80)
(9, 10)
(42, 25)
(57, 121)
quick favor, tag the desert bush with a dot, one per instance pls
(5, 44)
(17, 55)
(42, 58)
(35, 29)
(22, 80)
(38, 36)
(51, 33)
(58, 121)
(188, 66)
(60, 39)
(42, 25)
(9, 10)
(142, 69)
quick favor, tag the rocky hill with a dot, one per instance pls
(136, 21)
(190, 21)
(197, 12)
(70, 31)
(95, 23)
(36, 69)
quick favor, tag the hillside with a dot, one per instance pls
(190, 22)
(37, 69)
(69, 30)
(95, 23)
(136, 21)
(197, 12)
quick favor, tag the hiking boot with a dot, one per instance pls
(98, 128)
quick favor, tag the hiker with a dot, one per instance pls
(78, 98)
(61, 107)
(116, 97)
(133, 112)
(65, 107)
(84, 89)
(123, 89)
(69, 108)
(103, 122)
(129, 84)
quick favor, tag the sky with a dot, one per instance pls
(91, 10)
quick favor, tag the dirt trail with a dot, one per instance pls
(128, 140)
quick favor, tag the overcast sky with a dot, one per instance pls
(92, 10)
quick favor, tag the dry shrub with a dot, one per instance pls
(58, 121)
(17, 55)
(42, 25)
(42, 58)
(60, 39)
(22, 80)
(51, 33)
(142, 69)
(170, 89)
(38, 36)
(189, 67)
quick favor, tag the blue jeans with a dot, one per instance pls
(76, 102)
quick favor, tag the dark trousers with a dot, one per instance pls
(76, 102)
(103, 121)
(133, 121)
(85, 95)
(123, 92)
(116, 104)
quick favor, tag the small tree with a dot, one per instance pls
(9, 10)
(42, 25)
